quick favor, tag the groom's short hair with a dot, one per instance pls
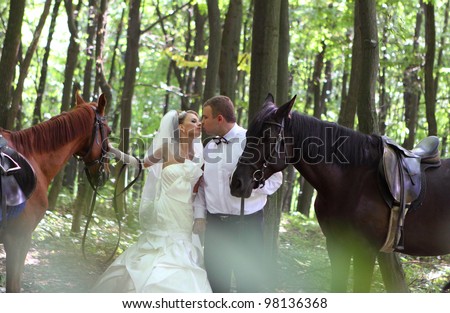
(222, 105)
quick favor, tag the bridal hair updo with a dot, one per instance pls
(181, 117)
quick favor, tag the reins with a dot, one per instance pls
(100, 127)
(115, 206)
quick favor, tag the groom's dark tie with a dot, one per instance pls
(219, 139)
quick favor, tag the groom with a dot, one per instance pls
(231, 249)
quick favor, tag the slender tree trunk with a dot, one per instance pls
(112, 73)
(442, 45)
(369, 66)
(327, 87)
(349, 105)
(9, 56)
(215, 38)
(307, 191)
(100, 78)
(288, 188)
(245, 52)
(412, 86)
(230, 50)
(283, 77)
(66, 103)
(24, 66)
(131, 64)
(199, 49)
(37, 118)
(430, 90)
(384, 102)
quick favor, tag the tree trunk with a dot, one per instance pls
(288, 188)
(430, 91)
(369, 66)
(263, 79)
(390, 265)
(305, 197)
(442, 44)
(100, 78)
(37, 118)
(307, 191)
(199, 49)
(24, 66)
(412, 86)
(263, 73)
(215, 38)
(384, 102)
(327, 87)
(230, 49)
(89, 53)
(348, 107)
(66, 103)
(272, 211)
(131, 64)
(9, 54)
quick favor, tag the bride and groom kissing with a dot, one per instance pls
(186, 195)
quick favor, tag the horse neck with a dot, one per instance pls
(32, 142)
(343, 152)
(52, 162)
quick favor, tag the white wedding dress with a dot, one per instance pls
(167, 257)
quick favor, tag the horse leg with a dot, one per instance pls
(340, 265)
(16, 249)
(363, 266)
(392, 272)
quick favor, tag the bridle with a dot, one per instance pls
(99, 126)
(258, 174)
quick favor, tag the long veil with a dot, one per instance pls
(165, 134)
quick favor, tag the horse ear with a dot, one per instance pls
(78, 98)
(269, 99)
(101, 104)
(285, 109)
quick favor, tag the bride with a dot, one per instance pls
(166, 257)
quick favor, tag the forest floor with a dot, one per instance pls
(55, 262)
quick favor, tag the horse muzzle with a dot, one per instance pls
(241, 188)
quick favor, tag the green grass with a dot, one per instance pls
(302, 266)
(305, 265)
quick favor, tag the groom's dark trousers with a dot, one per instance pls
(235, 245)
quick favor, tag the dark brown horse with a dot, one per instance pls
(342, 164)
(48, 146)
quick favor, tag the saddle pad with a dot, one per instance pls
(13, 211)
(25, 177)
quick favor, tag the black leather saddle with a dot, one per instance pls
(17, 178)
(402, 168)
(402, 177)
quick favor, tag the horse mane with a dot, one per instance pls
(52, 134)
(356, 147)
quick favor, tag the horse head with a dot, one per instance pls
(94, 152)
(267, 150)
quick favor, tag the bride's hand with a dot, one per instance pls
(199, 226)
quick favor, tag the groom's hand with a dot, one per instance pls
(199, 226)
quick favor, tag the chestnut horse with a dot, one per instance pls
(48, 146)
(342, 165)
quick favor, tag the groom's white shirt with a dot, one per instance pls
(214, 191)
